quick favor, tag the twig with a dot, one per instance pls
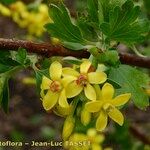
(44, 49)
(48, 50)
(139, 135)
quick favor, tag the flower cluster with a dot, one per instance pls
(67, 83)
(81, 91)
(32, 20)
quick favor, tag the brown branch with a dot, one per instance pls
(139, 134)
(48, 50)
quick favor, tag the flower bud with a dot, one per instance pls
(85, 117)
(68, 127)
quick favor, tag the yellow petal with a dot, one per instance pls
(90, 92)
(94, 106)
(55, 71)
(68, 79)
(107, 92)
(46, 82)
(98, 91)
(121, 99)
(96, 146)
(63, 99)
(92, 132)
(77, 138)
(50, 99)
(99, 138)
(97, 77)
(69, 72)
(42, 93)
(101, 121)
(73, 89)
(84, 67)
(117, 116)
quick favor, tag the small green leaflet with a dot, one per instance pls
(123, 25)
(132, 81)
(63, 28)
(22, 58)
(21, 55)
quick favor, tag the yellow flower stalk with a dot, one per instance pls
(106, 106)
(55, 87)
(83, 80)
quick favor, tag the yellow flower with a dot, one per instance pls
(106, 106)
(83, 80)
(95, 139)
(91, 141)
(74, 141)
(29, 19)
(56, 87)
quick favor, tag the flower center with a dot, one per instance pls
(82, 80)
(108, 108)
(55, 86)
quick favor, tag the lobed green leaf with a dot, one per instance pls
(63, 28)
(132, 81)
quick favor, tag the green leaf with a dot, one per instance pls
(72, 60)
(2, 83)
(63, 28)
(6, 63)
(123, 25)
(4, 68)
(4, 92)
(21, 55)
(87, 29)
(7, 1)
(132, 81)
(103, 10)
(5, 97)
(4, 54)
(93, 11)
